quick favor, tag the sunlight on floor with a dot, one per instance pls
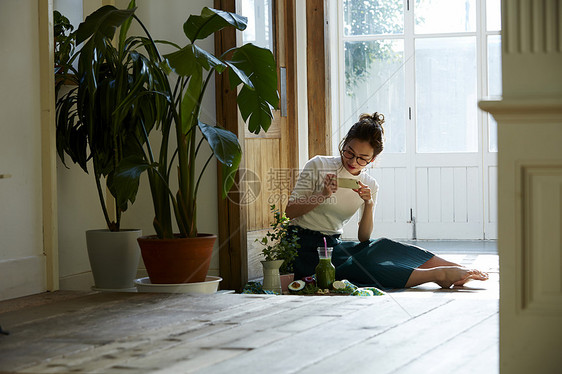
(474, 289)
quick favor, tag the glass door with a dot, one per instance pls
(447, 159)
(372, 72)
(424, 64)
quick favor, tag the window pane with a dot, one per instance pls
(260, 28)
(446, 119)
(373, 17)
(493, 15)
(442, 16)
(494, 85)
(492, 134)
(374, 82)
(494, 65)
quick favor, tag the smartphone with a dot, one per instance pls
(348, 183)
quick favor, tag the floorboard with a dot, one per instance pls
(473, 350)
(421, 330)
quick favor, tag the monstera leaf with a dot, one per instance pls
(256, 103)
(210, 21)
(103, 23)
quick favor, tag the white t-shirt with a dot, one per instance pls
(331, 215)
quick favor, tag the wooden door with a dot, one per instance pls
(270, 158)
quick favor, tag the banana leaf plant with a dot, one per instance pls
(186, 73)
(108, 72)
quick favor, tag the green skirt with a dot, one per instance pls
(381, 263)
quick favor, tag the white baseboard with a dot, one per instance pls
(22, 276)
(85, 281)
(26, 276)
(77, 282)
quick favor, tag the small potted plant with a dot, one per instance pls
(280, 249)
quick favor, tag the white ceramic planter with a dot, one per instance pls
(114, 258)
(271, 277)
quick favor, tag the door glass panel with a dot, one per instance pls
(494, 85)
(492, 134)
(442, 16)
(493, 15)
(260, 25)
(374, 82)
(446, 111)
(373, 17)
(494, 65)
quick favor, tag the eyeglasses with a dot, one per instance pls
(350, 155)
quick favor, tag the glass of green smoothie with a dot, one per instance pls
(325, 271)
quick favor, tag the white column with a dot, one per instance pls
(530, 186)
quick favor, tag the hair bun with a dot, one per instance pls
(369, 128)
(375, 118)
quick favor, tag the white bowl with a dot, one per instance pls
(210, 286)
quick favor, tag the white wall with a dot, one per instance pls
(71, 9)
(21, 242)
(78, 210)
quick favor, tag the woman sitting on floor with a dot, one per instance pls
(319, 209)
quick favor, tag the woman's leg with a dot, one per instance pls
(444, 273)
(444, 276)
(388, 264)
(436, 261)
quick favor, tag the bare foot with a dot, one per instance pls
(458, 276)
(474, 275)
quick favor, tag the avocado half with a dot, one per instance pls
(296, 286)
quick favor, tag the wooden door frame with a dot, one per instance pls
(288, 59)
(233, 255)
(319, 113)
(233, 259)
(48, 145)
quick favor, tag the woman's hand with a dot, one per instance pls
(364, 192)
(330, 185)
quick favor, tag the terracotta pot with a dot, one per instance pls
(180, 260)
(286, 280)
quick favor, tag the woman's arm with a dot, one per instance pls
(302, 205)
(366, 222)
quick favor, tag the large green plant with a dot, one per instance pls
(109, 72)
(182, 78)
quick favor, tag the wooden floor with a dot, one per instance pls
(422, 330)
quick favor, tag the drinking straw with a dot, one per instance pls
(325, 247)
